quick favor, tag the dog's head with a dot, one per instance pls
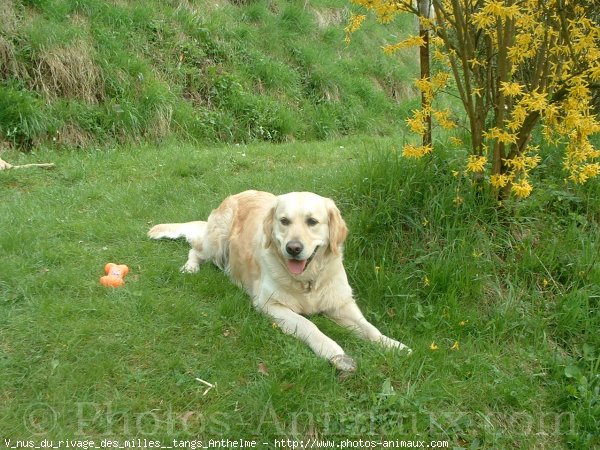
(302, 226)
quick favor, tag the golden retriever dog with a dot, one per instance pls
(286, 253)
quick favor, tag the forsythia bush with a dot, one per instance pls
(516, 65)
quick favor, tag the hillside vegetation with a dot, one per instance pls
(78, 72)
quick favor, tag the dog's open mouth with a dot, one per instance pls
(298, 266)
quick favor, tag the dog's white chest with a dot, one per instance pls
(301, 297)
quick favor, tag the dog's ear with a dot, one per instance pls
(268, 227)
(337, 228)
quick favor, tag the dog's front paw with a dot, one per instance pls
(190, 268)
(343, 363)
(392, 343)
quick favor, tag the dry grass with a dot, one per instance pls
(328, 17)
(9, 67)
(161, 124)
(69, 72)
(9, 20)
(9, 23)
(332, 94)
(72, 135)
(395, 90)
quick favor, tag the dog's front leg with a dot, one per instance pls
(299, 326)
(351, 317)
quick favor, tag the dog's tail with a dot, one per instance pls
(193, 232)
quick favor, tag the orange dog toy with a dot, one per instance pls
(114, 275)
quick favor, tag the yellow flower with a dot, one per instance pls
(426, 87)
(456, 141)
(462, 323)
(499, 9)
(413, 41)
(417, 123)
(518, 116)
(426, 281)
(458, 200)
(433, 346)
(413, 151)
(456, 346)
(522, 189)
(476, 164)
(523, 163)
(483, 20)
(511, 89)
(443, 58)
(588, 171)
(536, 101)
(517, 163)
(440, 80)
(443, 118)
(356, 21)
(354, 24)
(532, 161)
(478, 92)
(499, 180)
(476, 62)
(502, 136)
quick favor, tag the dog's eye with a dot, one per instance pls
(284, 221)
(311, 221)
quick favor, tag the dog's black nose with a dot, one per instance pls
(294, 248)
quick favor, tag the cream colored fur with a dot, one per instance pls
(250, 236)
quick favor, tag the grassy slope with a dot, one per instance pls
(519, 295)
(87, 71)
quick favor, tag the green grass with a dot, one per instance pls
(79, 73)
(517, 288)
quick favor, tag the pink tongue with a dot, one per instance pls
(295, 266)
